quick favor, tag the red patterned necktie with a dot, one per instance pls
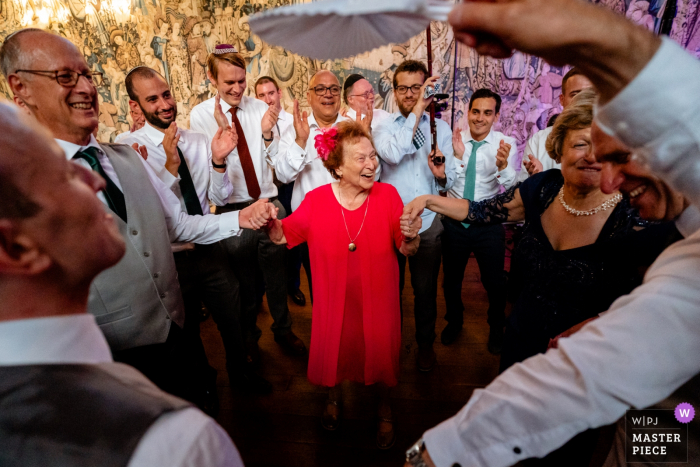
(251, 180)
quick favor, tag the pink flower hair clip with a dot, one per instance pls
(325, 142)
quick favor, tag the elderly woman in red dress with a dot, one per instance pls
(353, 230)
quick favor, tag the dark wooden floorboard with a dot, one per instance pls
(284, 428)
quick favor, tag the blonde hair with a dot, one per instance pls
(577, 116)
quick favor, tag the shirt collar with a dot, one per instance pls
(155, 135)
(488, 139)
(225, 106)
(282, 115)
(71, 149)
(399, 116)
(312, 120)
(57, 339)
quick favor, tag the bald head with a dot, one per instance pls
(70, 109)
(324, 97)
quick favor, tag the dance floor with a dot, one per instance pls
(284, 428)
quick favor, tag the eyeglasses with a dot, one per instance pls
(322, 90)
(415, 89)
(367, 95)
(69, 78)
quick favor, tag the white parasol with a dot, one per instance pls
(330, 29)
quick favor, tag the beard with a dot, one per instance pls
(158, 122)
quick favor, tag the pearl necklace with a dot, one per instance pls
(352, 246)
(612, 202)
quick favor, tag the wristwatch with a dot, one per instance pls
(414, 455)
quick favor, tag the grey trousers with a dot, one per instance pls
(424, 267)
(247, 252)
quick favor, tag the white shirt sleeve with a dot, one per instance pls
(185, 438)
(220, 187)
(507, 176)
(185, 228)
(291, 159)
(529, 150)
(618, 361)
(669, 89)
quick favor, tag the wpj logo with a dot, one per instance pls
(658, 435)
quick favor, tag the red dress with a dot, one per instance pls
(356, 321)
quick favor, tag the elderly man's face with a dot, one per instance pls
(327, 104)
(72, 227)
(361, 95)
(71, 113)
(654, 200)
(230, 82)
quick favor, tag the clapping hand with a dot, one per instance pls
(222, 144)
(502, 155)
(301, 126)
(143, 152)
(219, 114)
(367, 121)
(269, 121)
(172, 156)
(532, 165)
(457, 143)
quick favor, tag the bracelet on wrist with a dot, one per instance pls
(218, 166)
(268, 140)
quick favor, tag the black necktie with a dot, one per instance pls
(113, 195)
(189, 194)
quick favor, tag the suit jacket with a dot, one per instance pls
(135, 301)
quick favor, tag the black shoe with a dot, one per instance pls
(450, 333)
(251, 383)
(298, 297)
(426, 358)
(495, 340)
(291, 344)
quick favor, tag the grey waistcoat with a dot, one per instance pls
(76, 415)
(135, 301)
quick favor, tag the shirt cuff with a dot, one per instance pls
(445, 446)
(460, 166)
(169, 180)
(506, 176)
(627, 114)
(229, 225)
(297, 157)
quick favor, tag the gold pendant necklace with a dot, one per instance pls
(352, 246)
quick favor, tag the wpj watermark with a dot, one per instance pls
(658, 435)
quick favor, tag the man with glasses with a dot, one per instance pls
(252, 179)
(358, 95)
(136, 301)
(414, 167)
(298, 160)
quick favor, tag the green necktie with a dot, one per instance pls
(113, 195)
(470, 176)
(189, 193)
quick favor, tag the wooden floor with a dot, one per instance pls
(284, 428)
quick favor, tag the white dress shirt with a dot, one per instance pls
(184, 438)
(250, 113)
(378, 116)
(181, 226)
(301, 165)
(208, 183)
(121, 136)
(407, 168)
(645, 346)
(536, 147)
(488, 178)
(284, 121)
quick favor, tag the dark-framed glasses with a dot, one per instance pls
(366, 95)
(322, 90)
(415, 89)
(69, 78)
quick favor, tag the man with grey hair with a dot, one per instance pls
(50, 76)
(63, 401)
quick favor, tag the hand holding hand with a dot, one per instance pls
(412, 211)
(222, 144)
(172, 156)
(502, 155)
(457, 143)
(532, 165)
(141, 150)
(410, 230)
(219, 114)
(269, 121)
(301, 126)
(257, 214)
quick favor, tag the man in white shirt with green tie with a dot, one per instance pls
(484, 164)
